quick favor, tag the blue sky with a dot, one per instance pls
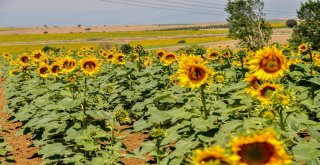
(111, 12)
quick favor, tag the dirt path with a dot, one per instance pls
(22, 150)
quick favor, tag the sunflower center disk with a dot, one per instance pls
(55, 69)
(89, 66)
(68, 64)
(265, 90)
(271, 64)
(170, 58)
(258, 153)
(212, 159)
(196, 73)
(43, 70)
(24, 59)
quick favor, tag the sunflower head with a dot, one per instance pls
(55, 69)
(266, 92)
(24, 59)
(303, 47)
(193, 72)
(219, 78)
(213, 55)
(160, 53)
(268, 64)
(212, 156)
(169, 58)
(119, 58)
(90, 66)
(43, 71)
(68, 64)
(7, 55)
(260, 148)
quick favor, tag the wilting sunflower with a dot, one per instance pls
(55, 69)
(169, 58)
(43, 71)
(68, 64)
(261, 148)
(215, 156)
(213, 54)
(119, 58)
(24, 59)
(268, 64)
(193, 72)
(265, 93)
(90, 66)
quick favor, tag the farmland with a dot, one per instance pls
(170, 96)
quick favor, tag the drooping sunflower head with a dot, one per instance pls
(55, 69)
(268, 64)
(90, 66)
(261, 148)
(68, 64)
(169, 58)
(43, 71)
(212, 156)
(193, 72)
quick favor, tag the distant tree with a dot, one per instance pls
(79, 25)
(45, 26)
(246, 23)
(291, 23)
(308, 30)
(126, 48)
(45, 32)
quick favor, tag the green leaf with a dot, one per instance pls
(68, 103)
(305, 152)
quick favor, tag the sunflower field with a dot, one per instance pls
(224, 106)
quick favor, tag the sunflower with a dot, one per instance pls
(83, 48)
(68, 64)
(160, 53)
(227, 54)
(110, 57)
(212, 156)
(193, 72)
(43, 71)
(213, 54)
(303, 47)
(261, 148)
(7, 55)
(80, 54)
(24, 59)
(219, 78)
(90, 66)
(265, 91)
(55, 69)
(268, 64)
(119, 59)
(169, 58)
(37, 55)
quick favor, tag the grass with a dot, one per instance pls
(5, 38)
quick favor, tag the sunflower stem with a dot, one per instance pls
(282, 125)
(203, 99)
(84, 106)
(112, 136)
(158, 151)
(139, 62)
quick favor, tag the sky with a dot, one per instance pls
(16, 13)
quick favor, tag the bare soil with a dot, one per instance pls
(23, 152)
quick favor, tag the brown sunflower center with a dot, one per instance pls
(170, 57)
(120, 58)
(271, 64)
(43, 70)
(254, 83)
(37, 55)
(213, 54)
(160, 54)
(69, 64)
(24, 59)
(258, 153)
(196, 73)
(303, 47)
(55, 69)
(110, 56)
(89, 66)
(266, 89)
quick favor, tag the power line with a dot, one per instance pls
(156, 7)
(216, 4)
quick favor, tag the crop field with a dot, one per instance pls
(218, 105)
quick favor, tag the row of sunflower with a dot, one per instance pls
(198, 103)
